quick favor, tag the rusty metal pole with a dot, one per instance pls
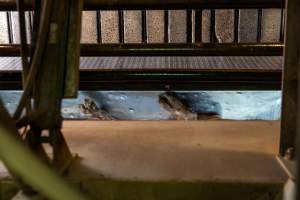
(58, 76)
(53, 75)
(290, 78)
(290, 121)
(293, 30)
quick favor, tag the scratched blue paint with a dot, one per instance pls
(235, 105)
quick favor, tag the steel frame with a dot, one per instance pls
(290, 132)
(184, 49)
(167, 79)
(8, 5)
(163, 80)
(290, 106)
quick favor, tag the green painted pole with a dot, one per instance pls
(24, 164)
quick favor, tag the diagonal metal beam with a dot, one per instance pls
(21, 161)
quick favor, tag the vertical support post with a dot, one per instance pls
(198, 26)
(290, 78)
(259, 24)
(99, 32)
(121, 26)
(236, 25)
(9, 28)
(35, 24)
(282, 24)
(189, 28)
(50, 81)
(73, 48)
(166, 25)
(30, 14)
(290, 132)
(144, 27)
(212, 26)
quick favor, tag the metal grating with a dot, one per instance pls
(264, 63)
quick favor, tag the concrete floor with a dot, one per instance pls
(172, 160)
(224, 151)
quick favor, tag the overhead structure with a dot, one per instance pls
(52, 72)
(190, 73)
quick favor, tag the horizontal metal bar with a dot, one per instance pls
(159, 4)
(163, 80)
(195, 49)
(199, 49)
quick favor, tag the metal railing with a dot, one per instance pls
(175, 79)
(194, 46)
